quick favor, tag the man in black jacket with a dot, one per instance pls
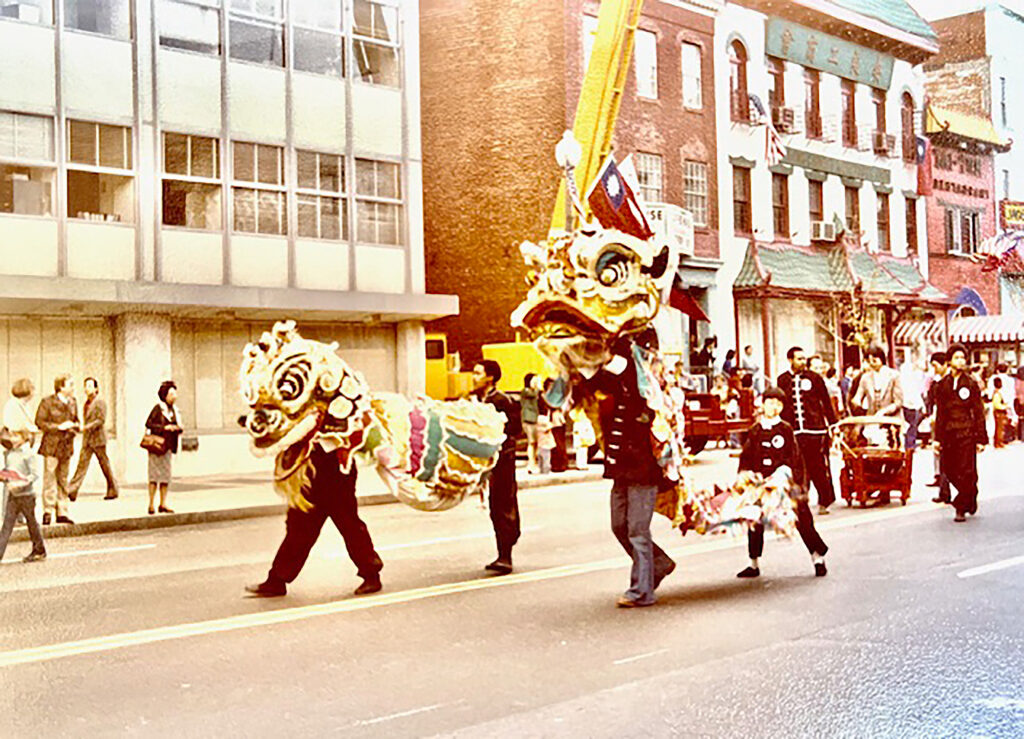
(771, 444)
(503, 488)
(940, 368)
(960, 431)
(57, 417)
(808, 410)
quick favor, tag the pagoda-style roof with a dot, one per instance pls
(963, 126)
(895, 13)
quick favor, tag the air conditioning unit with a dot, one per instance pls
(672, 224)
(883, 143)
(784, 119)
(823, 231)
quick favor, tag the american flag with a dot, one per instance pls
(774, 149)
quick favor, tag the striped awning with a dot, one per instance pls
(916, 333)
(996, 329)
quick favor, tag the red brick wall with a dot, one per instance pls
(961, 37)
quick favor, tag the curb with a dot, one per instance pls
(164, 521)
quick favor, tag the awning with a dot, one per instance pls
(996, 329)
(916, 333)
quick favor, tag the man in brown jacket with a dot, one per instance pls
(57, 418)
(94, 441)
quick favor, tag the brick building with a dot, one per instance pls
(500, 83)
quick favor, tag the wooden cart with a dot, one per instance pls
(875, 462)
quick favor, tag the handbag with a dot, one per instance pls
(154, 444)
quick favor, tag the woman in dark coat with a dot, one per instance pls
(163, 421)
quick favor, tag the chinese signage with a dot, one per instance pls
(1011, 214)
(830, 54)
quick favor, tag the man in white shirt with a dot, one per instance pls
(912, 381)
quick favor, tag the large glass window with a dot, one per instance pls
(322, 211)
(375, 42)
(191, 184)
(378, 202)
(317, 41)
(257, 31)
(649, 172)
(191, 25)
(258, 194)
(31, 11)
(780, 205)
(692, 78)
(109, 17)
(742, 221)
(27, 168)
(101, 182)
(696, 192)
(645, 54)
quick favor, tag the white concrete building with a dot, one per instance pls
(175, 175)
(845, 92)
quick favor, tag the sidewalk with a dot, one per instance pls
(224, 498)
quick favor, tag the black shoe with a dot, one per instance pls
(662, 575)
(73, 497)
(940, 499)
(370, 585)
(46, 519)
(64, 519)
(820, 570)
(267, 589)
(164, 509)
(933, 484)
(960, 517)
(110, 496)
(749, 572)
(35, 557)
(500, 566)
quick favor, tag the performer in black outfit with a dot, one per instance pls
(960, 431)
(503, 487)
(771, 444)
(808, 410)
(332, 494)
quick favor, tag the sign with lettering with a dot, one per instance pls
(1011, 215)
(831, 54)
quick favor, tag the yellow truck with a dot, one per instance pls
(445, 378)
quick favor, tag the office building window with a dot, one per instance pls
(27, 168)
(190, 25)
(322, 213)
(378, 202)
(696, 192)
(649, 173)
(692, 78)
(317, 41)
(884, 242)
(911, 207)
(741, 216)
(375, 43)
(780, 205)
(776, 82)
(849, 90)
(853, 210)
(191, 182)
(816, 200)
(258, 193)
(645, 58)
(101, 183)
(812, 103)
(108, 17)
(907, 123)
(739, 100)
(257, 31)
(31, 11)
(963, 230)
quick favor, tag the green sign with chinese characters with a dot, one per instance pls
(830, 54)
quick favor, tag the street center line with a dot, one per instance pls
(991, 567)
(87, 552)
(402, 714)
(437, 540)
(108, 643)
(627, 660)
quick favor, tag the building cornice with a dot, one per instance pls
(704, 7)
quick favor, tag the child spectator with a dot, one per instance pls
(21, 479)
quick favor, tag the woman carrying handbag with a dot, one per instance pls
(161, 441)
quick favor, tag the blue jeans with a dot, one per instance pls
(913, 418)
(632, 510)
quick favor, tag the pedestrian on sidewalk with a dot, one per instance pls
(960, 431)
(529, 410)
(502, 486)
(912, 383)
(999, 413)
(545, 443)
(57, 417)
(94, 441)
(331, 493)
(18, 415)
(21, 468)
(940, 367)
(771, 446)
(163, 421)
(808, 411)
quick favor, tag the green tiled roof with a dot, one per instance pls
(896, 13)
(873, 277)
(908, 273)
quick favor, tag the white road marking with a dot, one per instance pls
(428, 542)
(402, 714)
(991, 567)
(645, 655)
(288, 615)
(88, 552)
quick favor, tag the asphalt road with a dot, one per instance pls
(147, 634)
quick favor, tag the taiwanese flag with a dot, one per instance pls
(614, 204)
(924, 166)
(681, 300)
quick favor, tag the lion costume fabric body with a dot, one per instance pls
(589, 291)
(300, 393)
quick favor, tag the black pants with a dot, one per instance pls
(959, 463)
(26, 506)
(804, 526)
(814, 450)
(504, 503)
(333, 495)
(84, 457)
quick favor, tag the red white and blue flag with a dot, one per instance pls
(774, 149)
(615, 205)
